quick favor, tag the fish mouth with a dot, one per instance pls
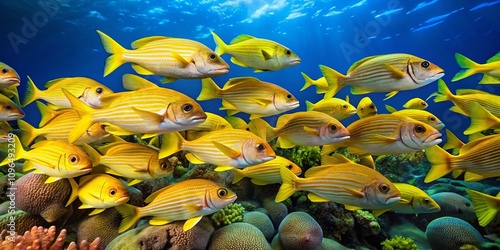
(122, 199)
(295, 61)
(16, 116)
(268, 158)
(435, 137)
(13, 79)
(293, 105)
(342, 138)
(438, 75)
(393, 200)
(439, 126)
(218, 71)
(352, 112)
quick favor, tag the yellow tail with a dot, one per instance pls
(309, 105)
(485, 206)
(333, 79)
(238, 175)
(84, 111)
(209, 90)
(440, 163)
(19, 152)
(309, 82)
(115, 60)
(452, 141)
(130, 216)
(29, 133)
(444, 93)
(171, 144)
(74, 191)
(480, 119)
(46, 113)
(288, 187)
(262, 129)
(32, 92)
(221, 46)
(470, 67)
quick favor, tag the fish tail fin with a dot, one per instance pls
(452, 141)
(262, 129)
(288, 186)
(74, 191)
(94, 156)
(115, 60)
(480, 119)
(309, 105)
(32, 92)
(484, 206)
(308, 81)
(84, 111)
(29, 133)
(332, 77)
(130, 215)
(440, 163)
(171, 144)
(443, 93)
(209, 90)
(238, 174)
(470, 67)
(328, 148)
(19, 151)
(220, 46)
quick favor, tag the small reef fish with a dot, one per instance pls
(132, 160)
(491, 69)
(452, 204)
(77, 86)
(259, 54)
(413, 201)
(479, 158)
(309, 128)
(348, 183)
(237, 122)
(8, 76)
(416, 103)
(366, 107)
(225, 148)
(57, 159)
(148, 111)
(9, 111)
(334, 107)
(386, 134)
(265, 173)
(320, 83)
(465, 97)
(383, 73)
(5, 129)
(212, 123)
(173, 58)
(419, 115)
(485, 206)
(249, 95)
(481, 119)
(188, 200)
(98, 191)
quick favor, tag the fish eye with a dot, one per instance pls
(98, 90)
(222, 192)
(73, 158)
(424, 104)
(332, 127)
(383, 188)
(8, 107)
(432, 119)
(425, 64)
(247, 129)
(362, 109)
(4, 70)
(289, 167)
(112, 192)
(372, 106)
(260, 147)
(163, 166)
(212, 56)
(288, 96)
(103, 127)
(187, 108)
(419, 129)
(288, 52)
(467, 204)
(344, 106)
(427, 201)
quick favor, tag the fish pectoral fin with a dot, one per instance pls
(311, 130)
(395, 72)
(181, 59)
(133, 182)
(231, 153)
(316, 198)
(52, 179)
(390, 94)
(149, 117)
(351, 207)
(356, 193)
(191, 222)
(223, 168)
(235, 61)
(166, 79)
(193, 159)
(378, 212)
(266, 55)
(97, 211)
(141, 70)
(158, 221)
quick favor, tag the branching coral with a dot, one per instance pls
(304, 156)
(231, 213)
(399, 243)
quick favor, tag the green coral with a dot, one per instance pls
(399, 243)
(304, 156)
(231, 213)
(403, 167)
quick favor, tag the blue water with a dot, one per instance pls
(50, 39)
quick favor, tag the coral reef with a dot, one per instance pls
(231, 213)
(398, 243)
(328, 244)
(304, 156)
(409, 168)
(104, 225)
(452, 233)
(454, 205)
(262, 222)
(23, 221)
(299, 230)
(368, 222)
(407, 229)
(276, 211)
(237, 236)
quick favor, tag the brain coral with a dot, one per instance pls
(276, 211)
(104, 225)
(300, 231)
(452, 233)
(262, 222)
(237, 236)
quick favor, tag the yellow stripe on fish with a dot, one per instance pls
(419, 115)
(485, 206)
(491, 69)
(212, 123)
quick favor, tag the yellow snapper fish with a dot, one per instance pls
(8, 76)
(415, 103)
(335, 107)
(57, 159)
(491, 69)
(249, 95)
(225, 148)
(212, 123)
(479, 158)
(9, 111)
(147, 111)
(481, 119)
(78, 86)
(309, 128)
(98, 191)
(366, 107)
(413, 201)
(485, 206)
(465, 97)
(5, 129)
(259, 54)
(386, 134)
(348, 183)
(131, 160)
(383, 73)
(237, 122)
(320, 83)
(265, 173)
(173, 58)
(188, 200)
(419, 115)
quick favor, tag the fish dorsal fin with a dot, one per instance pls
(283, 120)
(311, 172)
(143, 41)
(191, 222)
(334, 159)
(316, 198)
(476, 136)
(53, 82)
(395, 72)
(471, 92)
(231, 153)
(358, 63)
(134, 82)
(236, 80)
(494, 58)
(155, 194)
(111, 171)
(241, 38)
(473, 144)
(266, 55)
(390, 109)
(354, 192)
